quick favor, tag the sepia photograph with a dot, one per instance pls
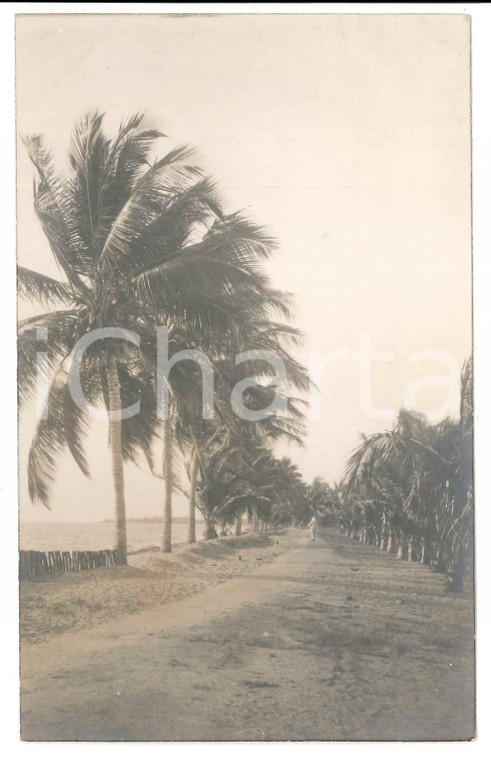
(245, 377)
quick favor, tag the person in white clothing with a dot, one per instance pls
(313, 528)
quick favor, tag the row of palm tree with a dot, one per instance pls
(143, 242)
(409, 490)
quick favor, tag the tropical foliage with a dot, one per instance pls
(322, 500)
(410, 490)
(142, 242)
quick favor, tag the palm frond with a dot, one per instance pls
(43, 342)
(54, 208)
(151, 193)
(39, 287)
(63, 425)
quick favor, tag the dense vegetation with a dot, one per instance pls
(409, 490)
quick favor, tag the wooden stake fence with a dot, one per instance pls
(33, 564)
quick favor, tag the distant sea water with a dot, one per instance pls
(98, 535)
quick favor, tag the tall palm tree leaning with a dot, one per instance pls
(81, 214)
(139, 243)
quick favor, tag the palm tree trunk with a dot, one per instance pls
(238, 525)
(392, 544)
(117, 457)
(167, 467)
(210, 530)
(429, 533)
(422, 555)
(402, 551)
(411, 549)
(383, 534)
(192, 499)
(426, 551)
(255, 520)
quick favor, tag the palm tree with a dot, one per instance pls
(138, 242)
(321, 500)
(290, 501)
(235, 444)
(251, 328)
(236, 468)
(418, 476)
(77, 213)
(235, 479)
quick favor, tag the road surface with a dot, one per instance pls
(331, 640)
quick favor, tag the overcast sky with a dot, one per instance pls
(348, 136)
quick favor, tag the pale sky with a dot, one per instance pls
(348, 136)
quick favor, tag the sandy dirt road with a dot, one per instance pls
(331, 640)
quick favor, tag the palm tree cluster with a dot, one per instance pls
(249, 481)
(409, 490)
(143, 242)
(322, 501)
